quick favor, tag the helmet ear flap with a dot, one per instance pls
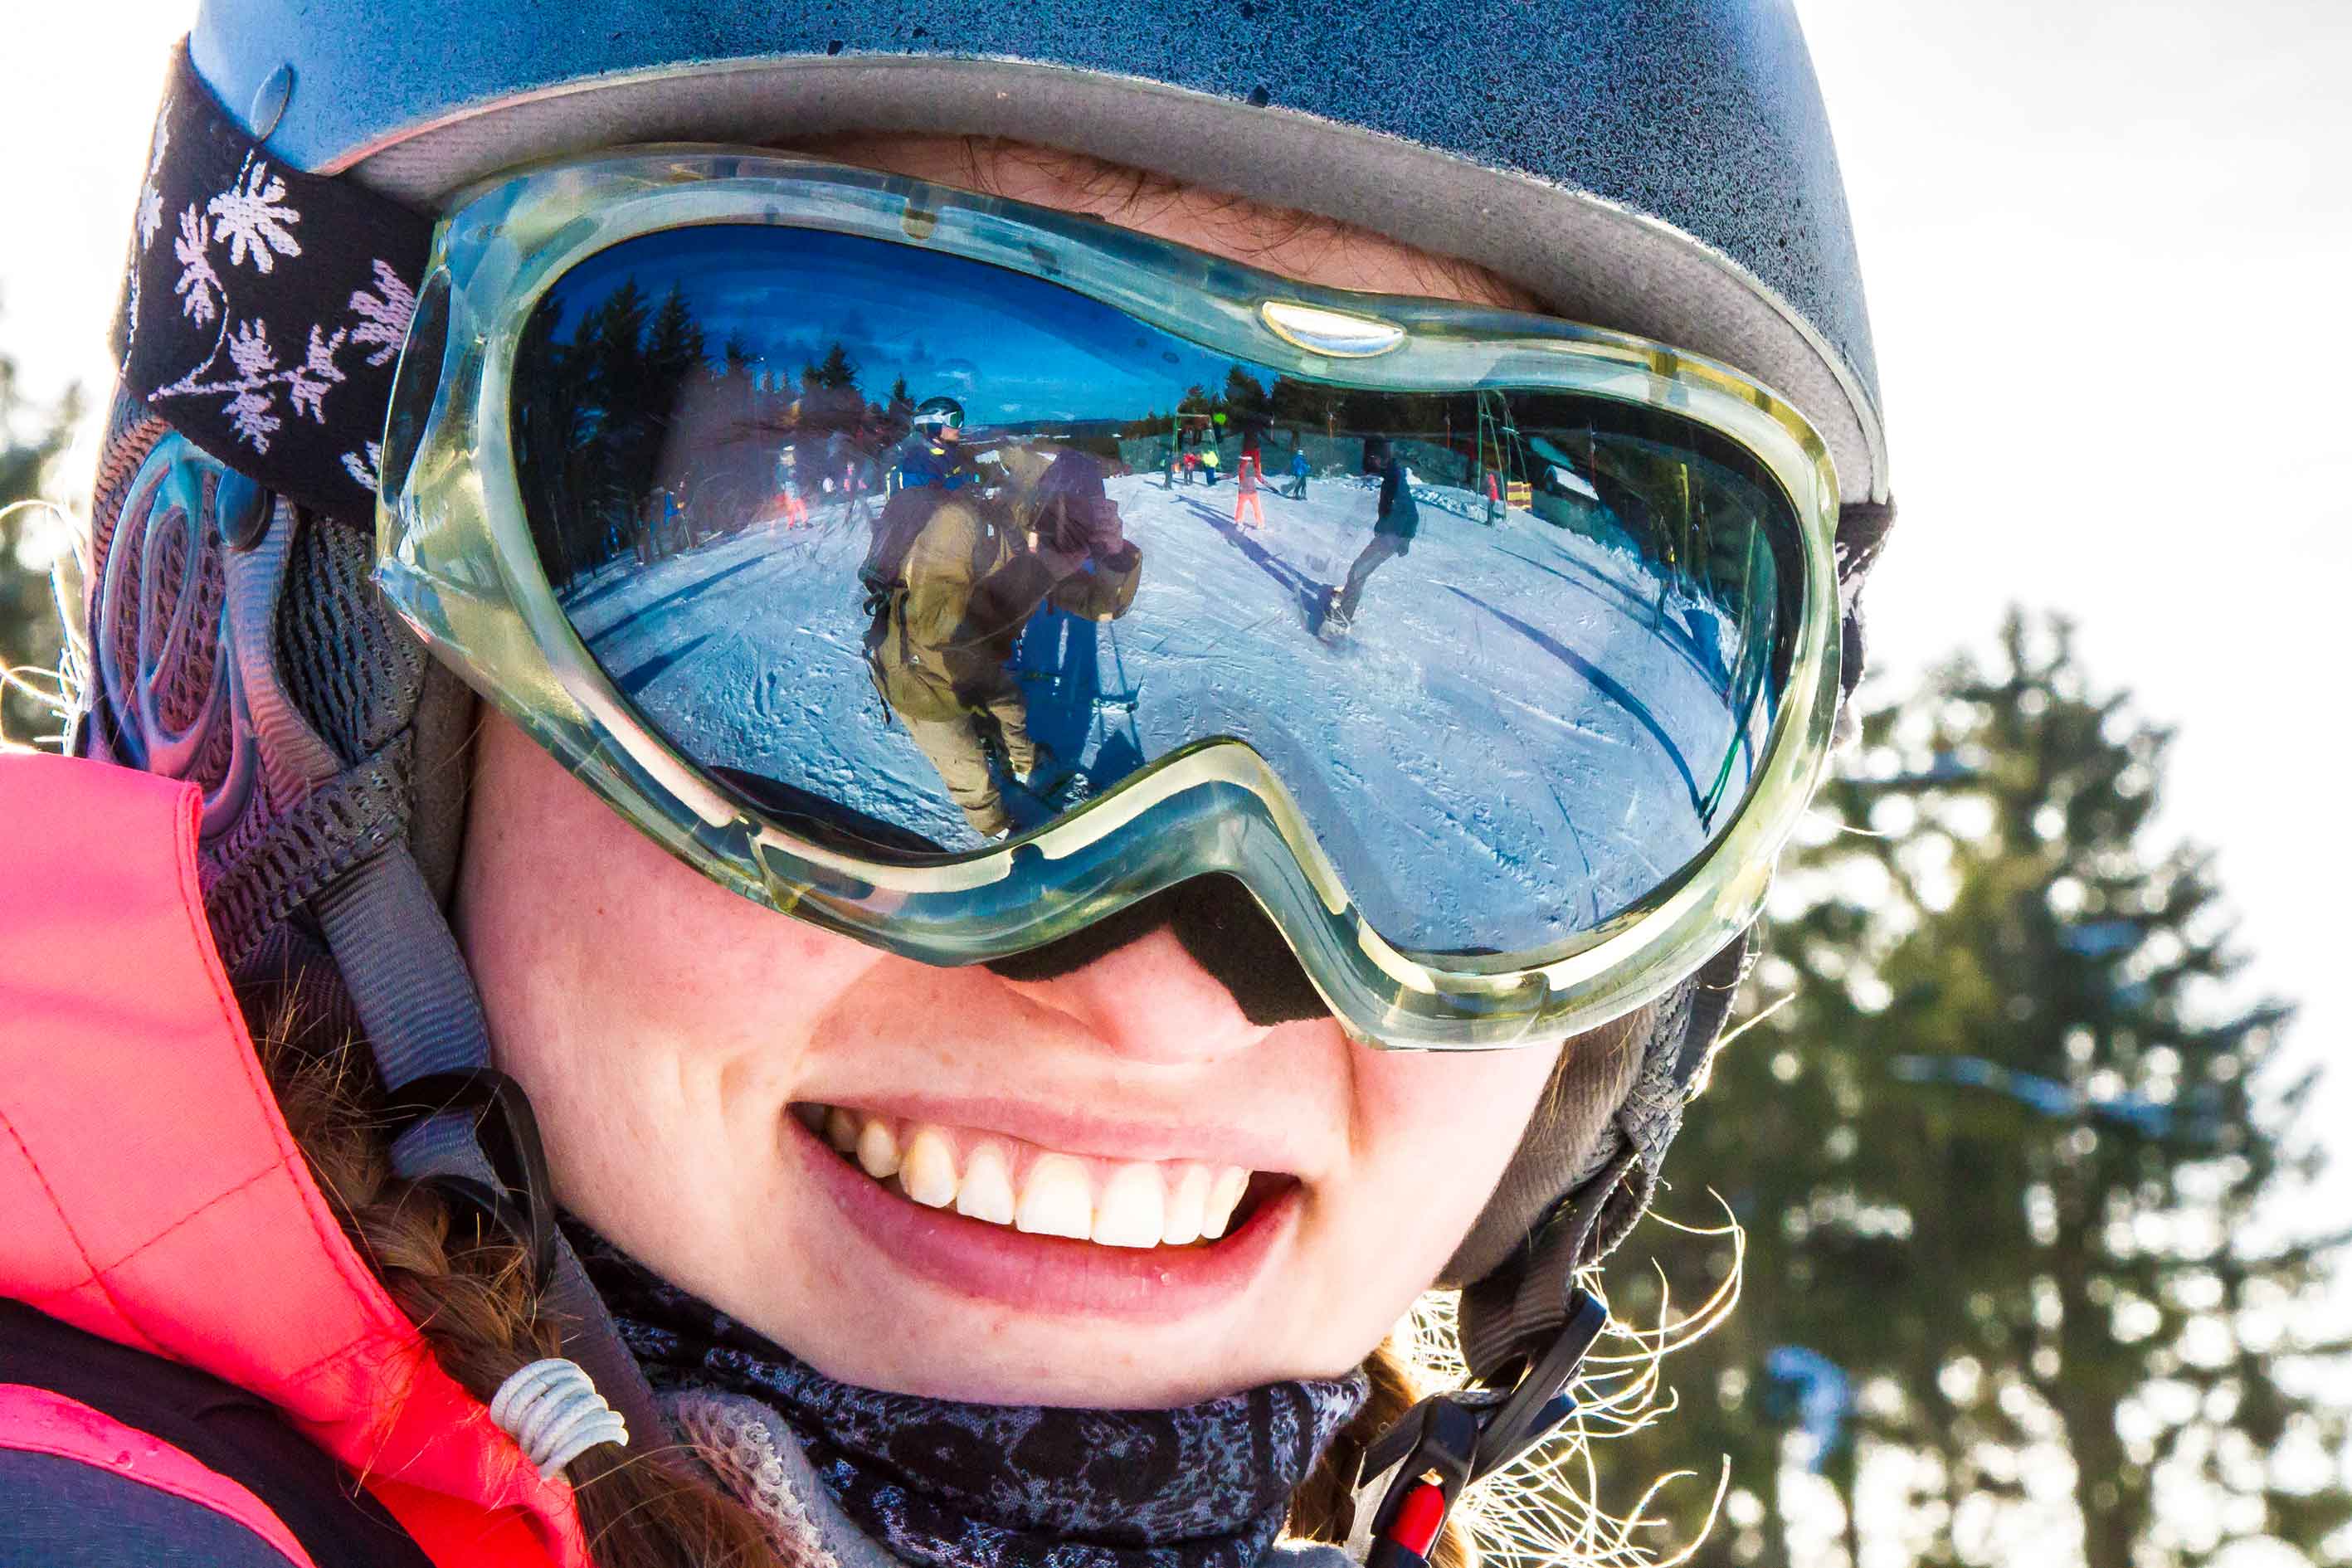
(1588, 1161)
(1567, 1142)
(272, 676)
(342, 729)
(366, 684)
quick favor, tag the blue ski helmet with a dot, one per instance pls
(1662, 167)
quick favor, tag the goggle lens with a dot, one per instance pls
(1567, 618)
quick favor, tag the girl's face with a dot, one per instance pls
(693, 1058)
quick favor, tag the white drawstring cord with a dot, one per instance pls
(552, 1409)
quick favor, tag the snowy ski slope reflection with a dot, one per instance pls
(1511, 745)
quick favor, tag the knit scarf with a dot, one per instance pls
(944, 1484)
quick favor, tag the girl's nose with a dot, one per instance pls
(1148, 1000)
(1191, 974)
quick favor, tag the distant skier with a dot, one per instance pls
(1209, 463)
(1394, 523)
(663, 530)
(790, 507)
(1299, 468)
(857, 481)
(1249, 476)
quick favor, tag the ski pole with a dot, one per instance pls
(1119, 664)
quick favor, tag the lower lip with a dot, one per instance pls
(1044, 1273)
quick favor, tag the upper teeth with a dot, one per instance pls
(1136, 1203)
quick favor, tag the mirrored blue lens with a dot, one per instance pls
(1514, 651)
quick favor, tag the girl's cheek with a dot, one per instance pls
(1434, 1132)
(1456, 1099)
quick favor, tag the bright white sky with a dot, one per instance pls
(2109, 245)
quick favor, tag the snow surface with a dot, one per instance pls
(1510, 745)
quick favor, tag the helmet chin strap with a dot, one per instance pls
(1525, 1333)
(1525, 1325)
(1450, 1440)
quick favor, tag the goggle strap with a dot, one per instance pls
(264, 309)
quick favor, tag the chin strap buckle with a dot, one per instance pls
(1449, 1440)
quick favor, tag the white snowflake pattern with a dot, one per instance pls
(366, 470)
(308, 384)
(150, 195)
(249, 351)
(150, 217)
(384, 316)
(253, 218)
(253, 410)
(199, 287)
(249, 414)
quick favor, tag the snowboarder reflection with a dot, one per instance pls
(1396, 521)
(946, 617)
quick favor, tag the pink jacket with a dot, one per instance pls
(140, 1154)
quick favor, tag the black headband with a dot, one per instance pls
(263, 308)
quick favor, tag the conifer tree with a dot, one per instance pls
(835, 372)
(1245, 396)
(674, 342)
(2014, 1162)
(735, 362)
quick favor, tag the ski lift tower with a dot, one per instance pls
(1179, 425)
(1502, 459)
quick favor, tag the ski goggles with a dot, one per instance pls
(1496, 656)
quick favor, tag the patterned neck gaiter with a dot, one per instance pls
(943, 1484)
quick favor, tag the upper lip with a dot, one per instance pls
(1080, 1133)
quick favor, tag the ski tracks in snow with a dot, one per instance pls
(1387, 738)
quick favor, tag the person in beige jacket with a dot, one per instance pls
(981, 565)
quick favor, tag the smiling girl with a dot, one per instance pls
(516, 1052)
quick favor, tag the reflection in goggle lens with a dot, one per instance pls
(913, 552)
